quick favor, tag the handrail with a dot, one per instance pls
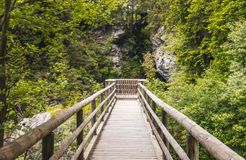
(94, 127)
(214, 146)
(178, 149)
(75, 134)
(125, 88)
(23, 143)
(114, 88)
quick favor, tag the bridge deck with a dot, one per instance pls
(126, 134)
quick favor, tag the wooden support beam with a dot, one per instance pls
(153, 105)
(80, 119)
(164, 120)
(48, 146)
(101, 100)
(93, 107)
(192, 148)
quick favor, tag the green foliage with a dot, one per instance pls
(149, 66)
(132, 68)
(200, 26)
(216, 102)
(53, 56)
(58, 54)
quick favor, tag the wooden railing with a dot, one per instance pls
(125, 88)
(45, 132)
(196, 134)
(118, 88)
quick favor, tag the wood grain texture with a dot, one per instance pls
(125, 135)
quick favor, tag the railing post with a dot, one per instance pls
(102, 108)
(153, 105)
(93, 107)
(107, 83)
(80, 119)
(154, 109)
(48, 146)
(192, 148)
(164, 120)
(115, 87)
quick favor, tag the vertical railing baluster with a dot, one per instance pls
(164, 120)
(115, 87)
(153, 105)
(192, 148)
(80, 119)
(93, 107)
(124, 88)
(101, 99)
(107, 92)
(48, 146)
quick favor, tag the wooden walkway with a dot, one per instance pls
(125, 135)
(119, 130)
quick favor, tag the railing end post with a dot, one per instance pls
(48, 146)
(192, 148)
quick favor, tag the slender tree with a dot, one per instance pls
(3, 83)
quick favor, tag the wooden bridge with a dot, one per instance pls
(124, 125)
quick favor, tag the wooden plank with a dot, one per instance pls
(92, 130)
(99, 130)
(125, 135)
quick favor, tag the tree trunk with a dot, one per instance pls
(3, 83)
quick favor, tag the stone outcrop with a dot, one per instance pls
(164, 59)
(29, 123)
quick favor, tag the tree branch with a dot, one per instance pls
(13, 6)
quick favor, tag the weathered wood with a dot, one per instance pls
(91, 132)
(166, 153)
(48, 146)
(75, 134)
(178, 149)
(164, 120)
(126, 88)
(25, 142)
(127, 130)
(101, 99)
(153, 105)
(192, 148)
(215, 147)
(79, 119)
(125, 136)
(100, 128)
(93, 107)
